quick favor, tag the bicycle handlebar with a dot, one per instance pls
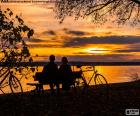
(89, 68)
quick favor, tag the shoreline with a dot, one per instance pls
(121, 96)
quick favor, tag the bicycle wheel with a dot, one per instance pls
(15, 85)
(4, 88)
(4, 83)
(101, 85)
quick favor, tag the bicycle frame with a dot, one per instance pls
(95, 72)
(2, 84)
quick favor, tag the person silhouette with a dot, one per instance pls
(66, 74)
(50, 72)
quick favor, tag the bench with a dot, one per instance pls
(39, 86)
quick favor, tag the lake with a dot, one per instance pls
(113, 74)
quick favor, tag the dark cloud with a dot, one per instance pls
(102, 40)
(109, 33)
(75, 33)
(49, 32)
(100, 58)
(44, 46)
(129, 50)
(36, 40)
(135, 60)
(81, 53)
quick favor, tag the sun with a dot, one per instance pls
(97, 50)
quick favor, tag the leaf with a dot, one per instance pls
(26, 77)
(11, 41)
(16, 17)
(25, 28)
(20, 20)
(31, 59)
(11, 13)
(8, 9)
(11, 22)
(30, 33)
(25, 51)
(32, 69)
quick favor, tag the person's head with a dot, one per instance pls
(64, 60)
(52, 58)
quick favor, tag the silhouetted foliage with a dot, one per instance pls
(12, 44)
(99, 10)
(13, 47)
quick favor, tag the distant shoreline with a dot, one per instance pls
(73, 63)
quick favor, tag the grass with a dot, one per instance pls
(121, 96)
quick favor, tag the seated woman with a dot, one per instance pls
(66, 74)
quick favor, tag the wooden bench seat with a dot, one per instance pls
(33, 83)
(38, 86)
(39, 75)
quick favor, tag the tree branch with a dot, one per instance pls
(99, 9)
(136, 1)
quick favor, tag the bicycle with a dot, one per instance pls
(100, 84)
(12, 58)
(7, 79)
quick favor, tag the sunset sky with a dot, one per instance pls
(79, 40)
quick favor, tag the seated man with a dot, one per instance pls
(50, 74)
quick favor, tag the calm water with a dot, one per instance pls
(113, 74)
